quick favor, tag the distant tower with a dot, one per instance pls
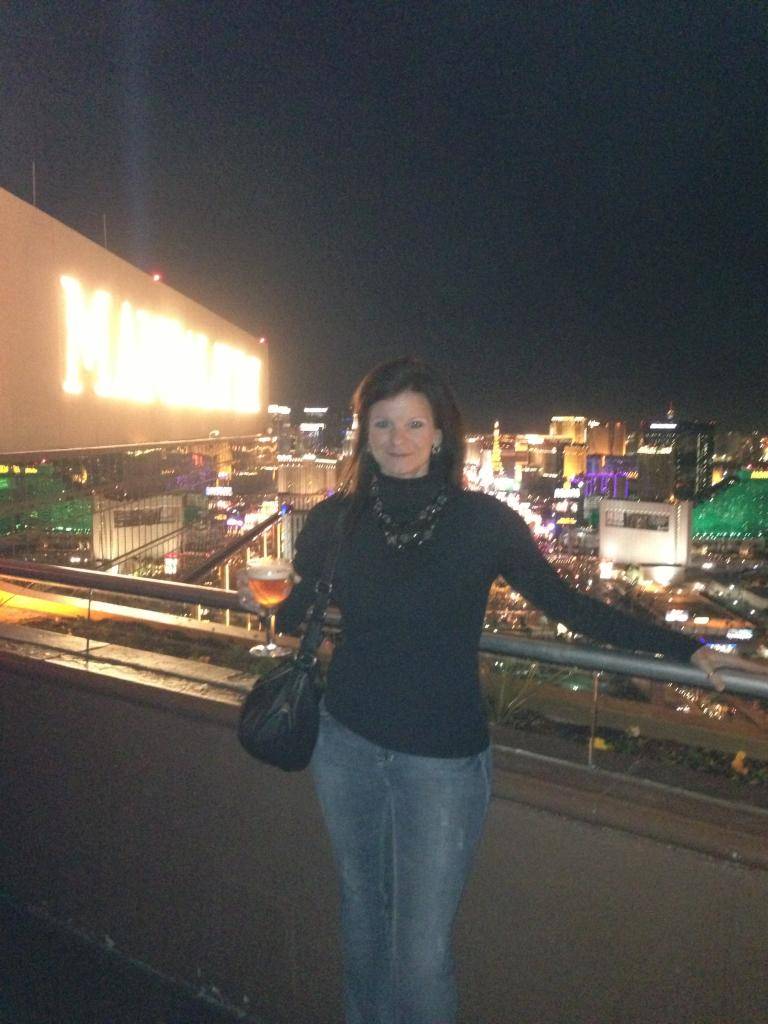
(350, 435)
(280, 426)
(496, 463)
(688, 447)
(670, 411)
(569, 428)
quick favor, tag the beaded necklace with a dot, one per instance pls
(415, 531)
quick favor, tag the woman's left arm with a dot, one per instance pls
(527, 571)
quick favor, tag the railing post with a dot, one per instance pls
(89, 627)
(248, 624)
(593, 720)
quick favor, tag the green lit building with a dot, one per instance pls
(34, 499)
(737, 510)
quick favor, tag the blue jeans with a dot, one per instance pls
(404, 831)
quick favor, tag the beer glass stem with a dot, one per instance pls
(269, 629)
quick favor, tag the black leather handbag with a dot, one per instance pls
(280, 716)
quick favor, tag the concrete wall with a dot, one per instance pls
(123, 526)
(626, 545)
(35, 412)
(132, 813)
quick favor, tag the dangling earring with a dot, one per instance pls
(437, 448)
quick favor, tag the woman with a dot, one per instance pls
(402, 765)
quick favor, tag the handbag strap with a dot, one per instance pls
(307, 655)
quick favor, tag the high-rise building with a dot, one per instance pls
(574, 461)
(280, 426)
(474, 448)
(547, 459)
(569, 428)
(610, 476)
(543, 471)
(608, 438)
(634, 441)
(691, 445)
(655, 473)
(651, 534)
(496, 462)
(737, 511)
(312, 430)
(350, 435)
(307, 476)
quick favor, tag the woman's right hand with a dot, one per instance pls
(713, 662)
(246, 597)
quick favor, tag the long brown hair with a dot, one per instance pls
(393, 378)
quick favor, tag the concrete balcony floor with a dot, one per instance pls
(50, 976)
(128, 810)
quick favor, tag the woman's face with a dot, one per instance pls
(401, 433)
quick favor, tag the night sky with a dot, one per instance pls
(564, 205)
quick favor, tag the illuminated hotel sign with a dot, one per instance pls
(134, 355)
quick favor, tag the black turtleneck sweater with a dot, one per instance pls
(405, 675)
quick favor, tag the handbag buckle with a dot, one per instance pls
(306, 661)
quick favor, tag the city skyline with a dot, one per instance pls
(559, 205)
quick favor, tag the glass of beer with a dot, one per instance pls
(270, 581)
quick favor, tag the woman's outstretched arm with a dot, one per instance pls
(527, 571)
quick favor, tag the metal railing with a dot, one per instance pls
(234, 546)
(600, 659)
(134, 586)
(554, 652)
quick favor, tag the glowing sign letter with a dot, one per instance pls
(136, 355)
(88, 337)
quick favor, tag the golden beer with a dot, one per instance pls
(270, 581)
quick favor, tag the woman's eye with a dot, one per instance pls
(381, 424)
(416, 424)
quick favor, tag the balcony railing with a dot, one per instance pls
(605, 707)
(586, 656)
